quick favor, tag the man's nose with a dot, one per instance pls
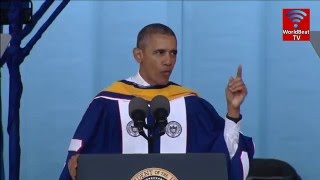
(169, 59)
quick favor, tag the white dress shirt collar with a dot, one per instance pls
(138, 80)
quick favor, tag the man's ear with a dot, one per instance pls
(137, 53)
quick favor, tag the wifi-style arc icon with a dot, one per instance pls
(296, 16)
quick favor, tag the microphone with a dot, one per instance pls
(160, 108)
(138, 109)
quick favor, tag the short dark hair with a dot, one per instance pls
(155, 28)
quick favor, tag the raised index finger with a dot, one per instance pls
(239, 72)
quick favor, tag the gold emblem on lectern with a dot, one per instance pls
(154, 174)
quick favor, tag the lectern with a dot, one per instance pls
(207, 166)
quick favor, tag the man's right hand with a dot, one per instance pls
(73, 165)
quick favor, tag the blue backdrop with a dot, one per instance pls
(90, 45)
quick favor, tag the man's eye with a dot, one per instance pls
(174, 53)
(160, 52)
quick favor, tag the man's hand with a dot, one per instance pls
(73, 165)
(236, 92)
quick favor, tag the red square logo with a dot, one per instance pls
(296, 24)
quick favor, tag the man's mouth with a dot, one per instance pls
(167, 73)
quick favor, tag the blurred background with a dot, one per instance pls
(90, 45)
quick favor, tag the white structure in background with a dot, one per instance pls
(5, 39)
